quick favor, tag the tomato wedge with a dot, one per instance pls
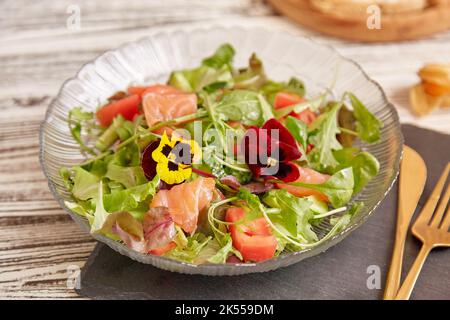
(127, 107)
(307, 116)
(307, 176)
(253, 239)
(286, 99)
(160, 251)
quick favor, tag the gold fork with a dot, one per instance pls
(431, 229)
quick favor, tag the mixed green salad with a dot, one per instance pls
(221, 165)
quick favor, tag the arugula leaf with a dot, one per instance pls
(298, 129)
(295, 214)
(365, 166)
(84, 184)
(344, 220)
(338, 189)
(251, 78)
(222, 56)
(325, 142)
(253, 203)
(248, 107)
(367, 125)
(129, 156)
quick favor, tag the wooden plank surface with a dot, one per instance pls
(39, 244)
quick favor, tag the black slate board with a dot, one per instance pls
(339, 273)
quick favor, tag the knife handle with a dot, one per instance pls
(395, 270)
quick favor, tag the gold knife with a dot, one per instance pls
(413, 174)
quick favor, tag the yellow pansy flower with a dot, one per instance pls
(175, 157)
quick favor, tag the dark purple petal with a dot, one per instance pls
(288, 172)
(147, 162)
(283, 134)
(255, 169)
(286, 152)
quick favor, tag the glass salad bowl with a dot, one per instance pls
(151, 59)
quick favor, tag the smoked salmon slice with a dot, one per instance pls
(185, 201)
(156, 88)
(163, 106)
(307, 176)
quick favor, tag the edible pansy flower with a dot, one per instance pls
(269, 150)
(174, 158)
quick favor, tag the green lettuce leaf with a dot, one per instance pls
(82, 208)
(338, 189)
(346, 120)
(365, 166)
(222, 254)
(194, 80)
(271, 88)
(134, 200)
(85, 184)
(191, 251)
(251, 78)
(128, 176)
(367, 125)
(98, 225)
(213, 74)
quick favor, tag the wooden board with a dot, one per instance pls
(394, 27)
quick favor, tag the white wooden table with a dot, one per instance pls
(38, 241)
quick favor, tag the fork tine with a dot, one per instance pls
(437, 218)
(446, 221)
(427, 211)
